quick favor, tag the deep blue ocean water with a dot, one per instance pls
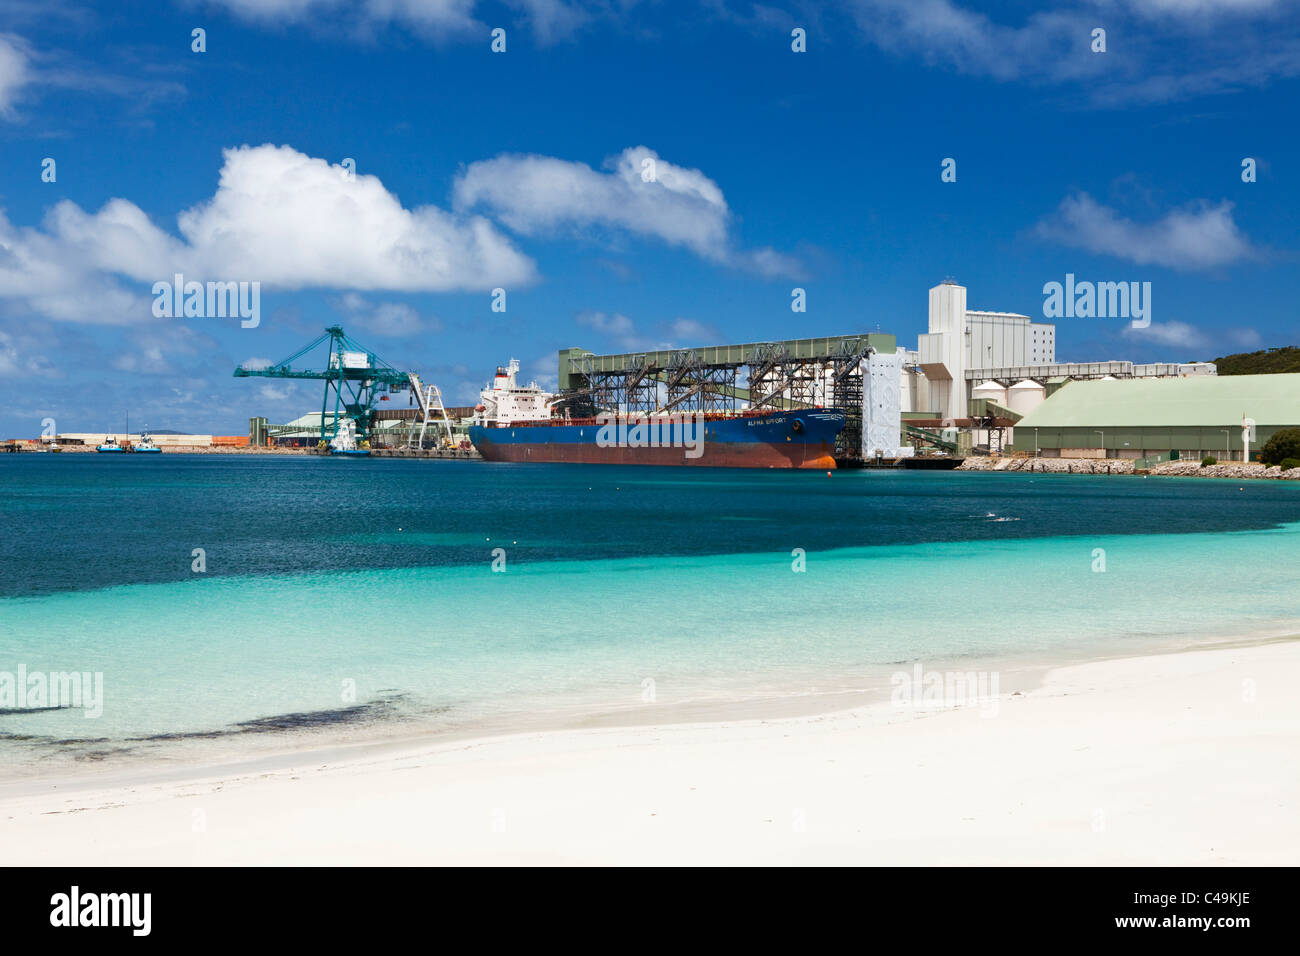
(347, 597)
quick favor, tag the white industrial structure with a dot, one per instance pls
(1003, 357)
(1025, 396)
(882, 427)
(960, 340)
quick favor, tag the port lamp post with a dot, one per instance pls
(1102, 433)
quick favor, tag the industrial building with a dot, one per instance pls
(1155, 418)
(964, 346)
(163, 440)
(980, 372)
(391, 428)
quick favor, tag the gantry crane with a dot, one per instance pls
(356, 377)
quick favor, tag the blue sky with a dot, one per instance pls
(523, 170)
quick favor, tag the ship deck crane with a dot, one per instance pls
(353, 375)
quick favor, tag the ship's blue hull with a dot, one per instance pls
(793, 439)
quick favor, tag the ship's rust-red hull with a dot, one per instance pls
(716, 455)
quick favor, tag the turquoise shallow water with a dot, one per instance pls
(318, 615)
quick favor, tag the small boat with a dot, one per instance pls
(345, 441)
(112, 446)
(145, 445)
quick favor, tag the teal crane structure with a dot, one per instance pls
(354, 376)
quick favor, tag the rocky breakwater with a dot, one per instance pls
(1058, 466)
(1117, 466)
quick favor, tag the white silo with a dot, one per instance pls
(1025, 396)
(990, 390)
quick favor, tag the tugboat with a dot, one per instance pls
(112, 446)
(344, 441)
(145, 445)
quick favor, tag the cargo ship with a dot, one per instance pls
(518, 423)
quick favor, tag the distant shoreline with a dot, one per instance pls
(460, 454)
(177, 450)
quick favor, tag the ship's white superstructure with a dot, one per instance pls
(507, 401)
(145, 445)
(345, 437)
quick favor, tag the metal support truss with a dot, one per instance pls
(694, 386)
(794, 381)
(846, 394)
(632, 389)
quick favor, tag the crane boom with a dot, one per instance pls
(353, 374)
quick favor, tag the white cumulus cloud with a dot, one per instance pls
(437, 20)
(1170, 333)
(614, 326)
(1157, 50)
(693, 332)
(1049, 44)
(291, 220)
(1202, 8)
(277, 393)
(637, 191)
(1202, 236)
(278, 217)
(622, 332)
(42, 273)
(389, 319)
(15, 70)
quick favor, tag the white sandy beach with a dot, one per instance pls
(1187, 758)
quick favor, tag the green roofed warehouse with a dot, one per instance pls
(1146, 417)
